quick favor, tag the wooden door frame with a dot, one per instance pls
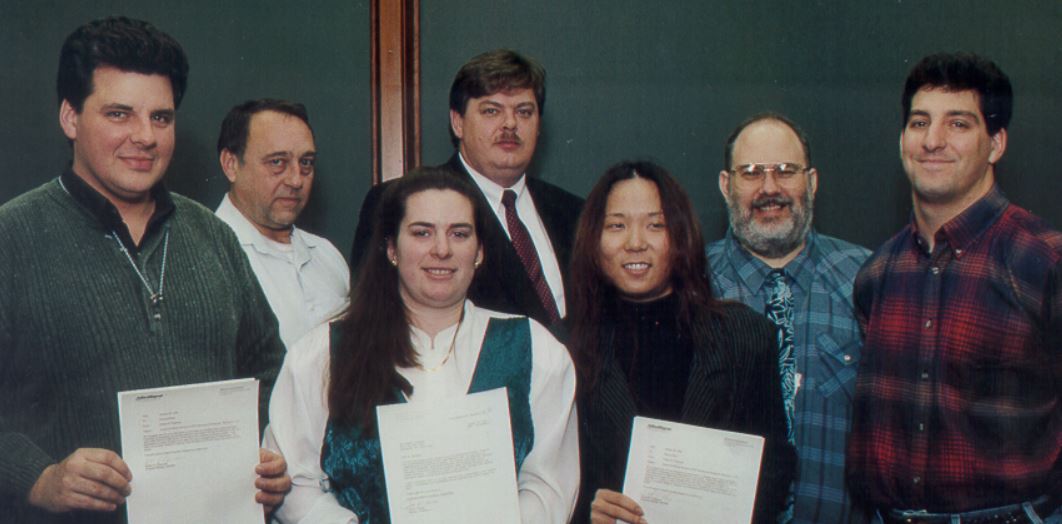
(395, 78)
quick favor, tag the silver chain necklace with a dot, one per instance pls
(156, 297)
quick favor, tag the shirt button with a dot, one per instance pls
(929, 324)
(848, 358)
(925, 374)
(921, 427)
(935, 270)
(916, 480)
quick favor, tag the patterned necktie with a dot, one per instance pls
(779, 309)
(526, 249)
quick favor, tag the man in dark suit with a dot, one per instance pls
(496, 104)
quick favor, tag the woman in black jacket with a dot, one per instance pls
(649, 339)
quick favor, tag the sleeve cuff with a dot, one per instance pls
(21, 464)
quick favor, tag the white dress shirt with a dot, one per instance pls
(548, 480)
(525, 208)
(306, 282)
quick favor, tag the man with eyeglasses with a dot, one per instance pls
(958, 409)
(772, 260)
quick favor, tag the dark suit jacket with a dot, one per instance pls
(732, 385)
(501, 283)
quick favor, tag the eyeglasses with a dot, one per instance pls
(756, 173)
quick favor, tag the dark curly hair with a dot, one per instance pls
(123, 43)
(962, 72)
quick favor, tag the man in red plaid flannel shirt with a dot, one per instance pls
(958, 409)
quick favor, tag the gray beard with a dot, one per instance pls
(775, 242)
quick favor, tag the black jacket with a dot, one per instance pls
(733, 385)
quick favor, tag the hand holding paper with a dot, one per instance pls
(608, 506)
(681, 473)
(193, 452)
(89, 479)
(273, 481)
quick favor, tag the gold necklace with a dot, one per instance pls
(449, 352)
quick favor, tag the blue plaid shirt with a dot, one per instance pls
(827, 346)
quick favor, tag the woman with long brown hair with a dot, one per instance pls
(649, 339)
(410, 335)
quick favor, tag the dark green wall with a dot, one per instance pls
(662, 80)
(317, 54)
(668, 81)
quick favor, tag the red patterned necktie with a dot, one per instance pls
(526, 249)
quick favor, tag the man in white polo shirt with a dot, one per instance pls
(266, 149)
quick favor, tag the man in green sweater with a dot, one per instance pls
(108, 282)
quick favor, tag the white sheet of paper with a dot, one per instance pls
(681, 473)
(450, 461)
(192, 450)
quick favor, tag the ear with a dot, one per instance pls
(479, 255)
(68, 117)
(724, 185)
(813, 180)
(998, 144)
(457, 124)
(390, 250)
(229, 164)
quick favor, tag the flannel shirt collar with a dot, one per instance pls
(962, 231)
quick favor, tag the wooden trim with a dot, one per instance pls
(395, 78)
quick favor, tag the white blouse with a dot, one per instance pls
(548, 480)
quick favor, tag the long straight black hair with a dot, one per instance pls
(593, 294)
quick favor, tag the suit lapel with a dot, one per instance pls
(710, 383)
(559, 224)
(613, 392)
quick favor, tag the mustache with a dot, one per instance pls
(509, 136)
(776, 200)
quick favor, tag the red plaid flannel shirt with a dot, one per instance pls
(959, 395)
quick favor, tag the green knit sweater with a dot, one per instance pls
(77, 326)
